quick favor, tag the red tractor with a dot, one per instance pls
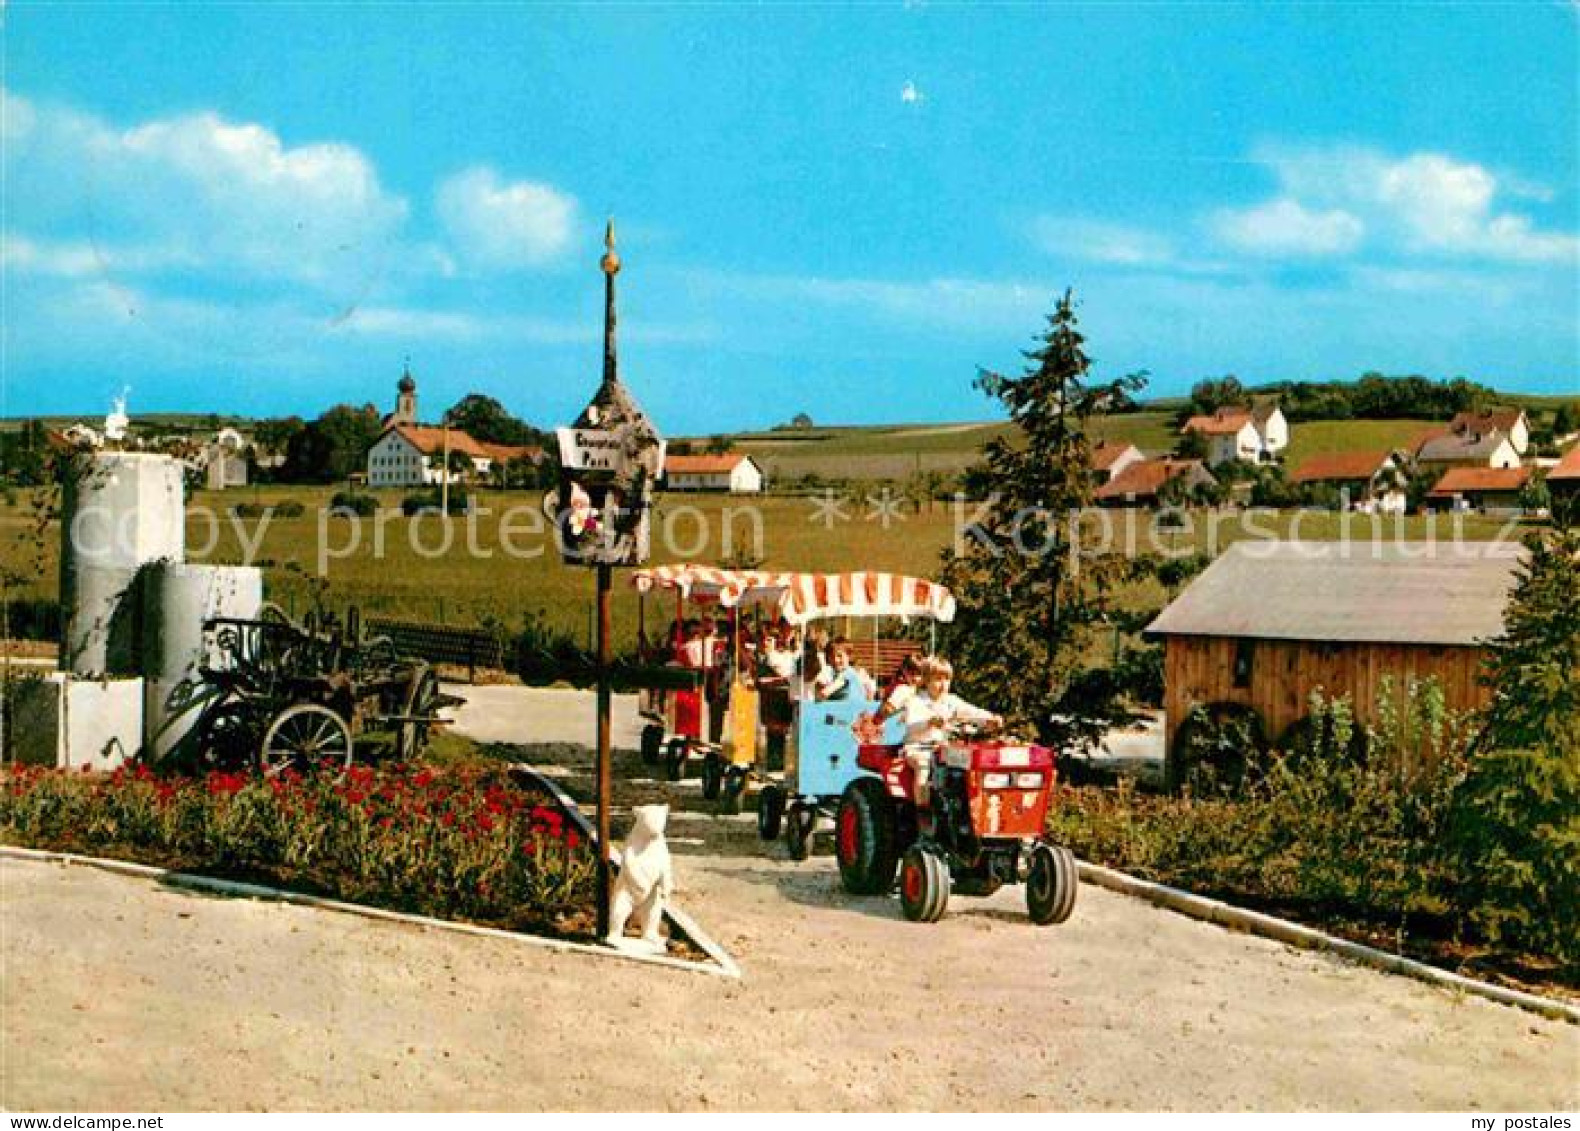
(982, 827)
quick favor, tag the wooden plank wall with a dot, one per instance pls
(1200, 670)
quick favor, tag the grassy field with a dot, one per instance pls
(896, 452)
(497, 568)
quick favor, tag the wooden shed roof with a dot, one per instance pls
(1335, 592)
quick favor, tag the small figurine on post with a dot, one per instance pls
(646, 881)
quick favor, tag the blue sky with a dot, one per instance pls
(836, 210)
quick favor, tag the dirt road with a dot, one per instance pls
(120, 994)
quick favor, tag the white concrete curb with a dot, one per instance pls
(721, 966)
(1293, 934)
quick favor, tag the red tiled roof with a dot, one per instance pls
(430, 441)
(1224, 422)
(1339, 465)
(504, 453)
(1501, 419)
(702, 465)
(1568, 467)
(1144, 478)
(1458, 480)
(1106, 454)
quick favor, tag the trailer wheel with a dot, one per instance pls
(712, 776)
(924, 885)
(1051, 884)
(306, 738)
(770, 812)
(652, 743)
(799, 823)
(864, 838)
(730, 791)
(675, 759)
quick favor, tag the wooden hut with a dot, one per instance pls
(1268, 623)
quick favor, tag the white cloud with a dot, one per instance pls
(200, 190)
(1102, 242)
(911, 95)
(76, 259)
(1285, 227)
(499, 225)
(1417, 204)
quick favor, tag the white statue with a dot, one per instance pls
(645, 882)
(116, 422)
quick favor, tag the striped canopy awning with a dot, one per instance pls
(803, 597)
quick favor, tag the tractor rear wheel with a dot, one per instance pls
(1051, 884)
(924, 885)
(864, 838)
(652, 743)
(770, 812)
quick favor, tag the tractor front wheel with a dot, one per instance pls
(864, 838)
(924, 885)
(1051, 884)
(770, 812)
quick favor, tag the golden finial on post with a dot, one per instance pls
(611, 261)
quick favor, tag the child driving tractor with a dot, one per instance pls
(929, 714)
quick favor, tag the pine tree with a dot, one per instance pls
(1517, 814)
(1030, 601)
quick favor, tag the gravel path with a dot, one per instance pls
(121, 994)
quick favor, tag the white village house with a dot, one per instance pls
(1371, 482)
(409, 454)
(1110, 458)
(733, 472)
(1254, 435)
(1496, 438)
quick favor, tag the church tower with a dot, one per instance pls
(406, 398)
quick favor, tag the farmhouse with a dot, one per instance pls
(1268, 623)
(408, 454)
(1487, 439)
(1254, 435)
(1564, 478)
(1110, 458)
(732, 472)
(1374, 482)
(1479, 488)
(1141, 483)
(1511, 422)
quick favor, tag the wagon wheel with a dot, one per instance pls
(800, 823)
(421, 696)
(305, 738)
(675, 759)
(226, 736)
(770, 811)
(652, 743)
(712, 775)
(731, 790)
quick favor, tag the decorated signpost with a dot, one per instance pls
(609, 461)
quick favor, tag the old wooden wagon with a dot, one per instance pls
(1268, 623)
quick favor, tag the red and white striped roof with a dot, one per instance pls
(803, 597)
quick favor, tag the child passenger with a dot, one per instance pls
(928, 716)
(840, 679)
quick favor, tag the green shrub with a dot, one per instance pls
(284, 508)
(353, 503)
(431, 500)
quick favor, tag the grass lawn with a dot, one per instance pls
(496, 568)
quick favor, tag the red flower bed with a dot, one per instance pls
(458, 844)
